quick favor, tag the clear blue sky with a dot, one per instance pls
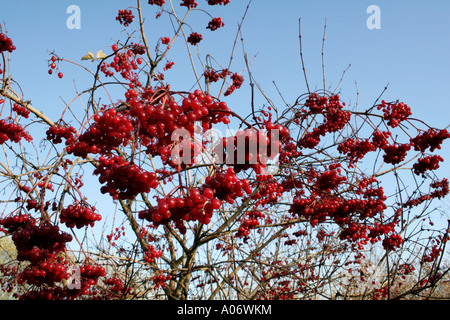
(411, 50)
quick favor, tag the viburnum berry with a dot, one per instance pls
(125, 17)
(165, 40)
(394, 113)
(6, 44)
(427, 163)
(194, 38)
(215, 24)
(57, 132)
(79, 215)
(429, 139)
(396, 153)
(22, 111)
(215, 2)
(156, 2)
(9, 130)
(188, 3)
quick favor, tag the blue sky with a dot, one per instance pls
(411, 50)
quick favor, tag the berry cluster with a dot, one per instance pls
(35, 243)
(53, 67)
(6, 44)
(335, 118)
(160, 280)
(9, 130)
(125, 17)
(198, 205)
(57, 132)
(194, 38)
(188, 3)
(156, 2)
(355, 149)
(21, 111)
(427, 163)
(47, 272)
(396, 153)
(124, 62)
(250, 221)
(79, 215)
(430, 139)
(227, 186)
(269, 190)
(159, 122)
(151, 254)
(329, 179)
(238, 80)
(215, 24)
(109, 131)
(165, 40)
(251, 148)
(115, 288)
(394, 113)
(124, 180)
(221, 2)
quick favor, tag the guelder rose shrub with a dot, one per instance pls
(198, 201)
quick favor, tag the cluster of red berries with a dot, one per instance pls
(151, 254)
(124, 180)
(198, 205)
(53, 67)
(215, 24)
(79, 215)
(158, 122)
(165, 40)
(21, 111)
(238, 80)
(40, 245)
(124, 62)
(427, 163)
(194, 38)
(115, 287)
(47, 272)
(355, 149)
(57, 132)
(335, 118)
(221, 2)
(156, 2)
(395, 153)
(6, 44)
(249, 222)
(160, 280)
(214, 75)
(430, 139)
(227, 186)
(125, 17)
(9, 130)
(188, 3)
(110, 130)
(269, 190)
(394, 113)
(329, 179)
(36, 242)
(168, 65)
